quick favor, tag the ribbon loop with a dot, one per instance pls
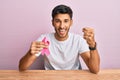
(45, 50)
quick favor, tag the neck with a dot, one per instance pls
(61, 38)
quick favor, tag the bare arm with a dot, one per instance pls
(91, 58)
(26, 61)
(94, 61)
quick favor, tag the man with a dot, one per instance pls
(65, 47)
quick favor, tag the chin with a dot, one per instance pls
(63, 36)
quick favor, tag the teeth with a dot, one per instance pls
(62, 30)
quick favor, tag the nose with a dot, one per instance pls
(62, 25)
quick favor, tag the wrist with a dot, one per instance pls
(93, 47)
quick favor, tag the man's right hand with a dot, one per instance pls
(37, 46)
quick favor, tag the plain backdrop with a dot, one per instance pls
(23, 21)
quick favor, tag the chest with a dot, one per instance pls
(63, 52)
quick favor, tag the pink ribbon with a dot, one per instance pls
(45, 50)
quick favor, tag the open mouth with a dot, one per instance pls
(62, 31)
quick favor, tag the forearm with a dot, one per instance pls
(94, 61)
(26, 61)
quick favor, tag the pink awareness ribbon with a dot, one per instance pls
(45, 50)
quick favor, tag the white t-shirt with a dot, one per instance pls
(64, 55)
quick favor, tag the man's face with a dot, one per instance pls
(62, 23)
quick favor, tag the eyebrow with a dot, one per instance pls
(59, 19)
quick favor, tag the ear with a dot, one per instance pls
(71, 22)
(52, 22)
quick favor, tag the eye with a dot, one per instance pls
(66, 20)
(57, 20)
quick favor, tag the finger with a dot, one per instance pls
(38, 47)
(38, 43)
(88, 29)
(86, 37)
(34, 50)
(85, 29)
(89, 39)
(89, 34)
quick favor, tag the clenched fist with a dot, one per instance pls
(89, 36)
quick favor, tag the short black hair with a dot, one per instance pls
(63, 9)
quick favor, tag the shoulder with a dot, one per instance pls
(81, 43)
(47, 35)
(76, 36)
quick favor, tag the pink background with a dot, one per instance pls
(22, 21)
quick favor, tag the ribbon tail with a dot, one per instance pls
(47, 52)
(42, 51)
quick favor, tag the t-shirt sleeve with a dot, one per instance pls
(83, 46)
(41, 37)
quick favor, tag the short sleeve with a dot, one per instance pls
(83, 46)
(41, 37)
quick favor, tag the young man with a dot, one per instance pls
(65, 47)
